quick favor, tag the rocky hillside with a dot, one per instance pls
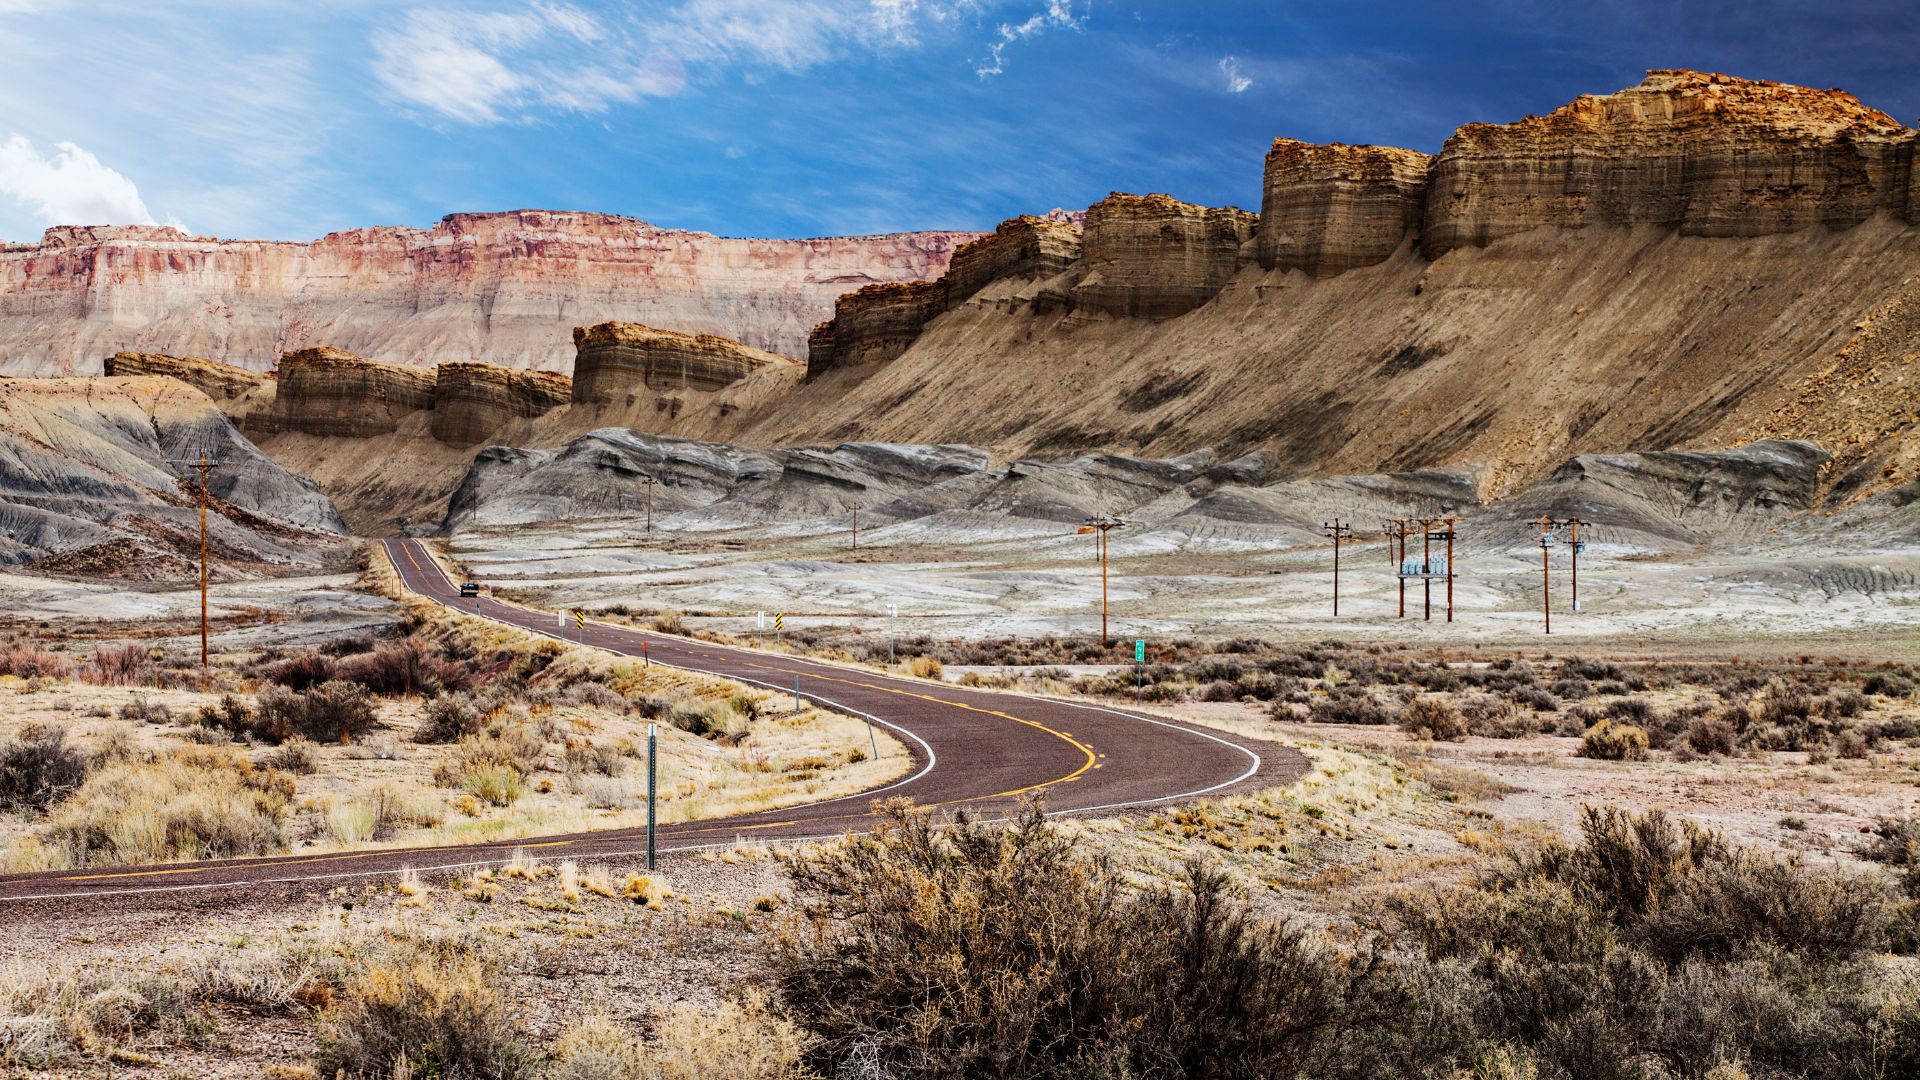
(95, 478)
(1694, 262)
(491, 287)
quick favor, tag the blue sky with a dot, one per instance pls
(263, 118)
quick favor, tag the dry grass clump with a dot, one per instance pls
(1608, 740)
(38, 768)
(380, 814)
(192, 802)
(740, 1039)
(430, 1007)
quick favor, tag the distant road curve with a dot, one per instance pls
(977, 749)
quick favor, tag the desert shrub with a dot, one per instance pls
(1845, 703)
(38, 768)
(433, 1009)
(1534, 698)
(692, 719)
(229, 715)
(670, 622)
(142, 710)
(595, 695)
(585, 757)
(1630, 710)
(404, 667)
(1352, 706)
(29, 661)
(1433, 716)
(983, 951)
(1492, 717)
(1576, 667)
(194, 802)
(925, 667)
(297, 755)
(449, 718)
(1608, 740)
(496, 785)
(299, 671)
(1711, 734)
(125, 665)
(1569, 689)
(332, 712)
(1888, 684)
(377, 816)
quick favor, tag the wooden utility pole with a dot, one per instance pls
(1101, 525)
(1397, 530)
(1549, 531)
(1338, 531)
(202, 467)
(1574, 544)
(650, 481)
(856, 528)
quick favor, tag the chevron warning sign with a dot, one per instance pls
(580, 619)
(779, 619)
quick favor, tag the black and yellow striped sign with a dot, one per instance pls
(580, 619)
(779, 619)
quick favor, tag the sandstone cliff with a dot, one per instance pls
(499, 287)
(474, 402)
(221, 382)
(1691, 263)
(333, 392)
(618, 363)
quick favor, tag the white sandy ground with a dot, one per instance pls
(984, 577)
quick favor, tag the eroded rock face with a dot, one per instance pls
(1155, 256)
(221, 382)
(616, 361)
(471, 402)
(1709, 155)
(1327, 209)
(500, 287)
(334, 392)
(875, 324)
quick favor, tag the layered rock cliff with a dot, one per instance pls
(1690, 263)
(618, 363)
(221, 382)
(499, 287)
(333, 392)
(473, 403)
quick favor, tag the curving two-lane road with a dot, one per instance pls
(977, 749)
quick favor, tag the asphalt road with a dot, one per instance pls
(977, 749)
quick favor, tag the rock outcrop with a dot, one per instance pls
(1154, 256)
(1329, 209)
(1707, 155)
(877, 323)
(472, 402)
(488, 286)
(333, 392)
(94, 479)
(221, 382)
(617, 363)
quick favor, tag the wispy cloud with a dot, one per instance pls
(482, 68)
(1237, 81)
(1058, 15)
(70, 186)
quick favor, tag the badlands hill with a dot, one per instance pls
(95, 478)
(480, 286)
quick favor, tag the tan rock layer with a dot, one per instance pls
(1329, 209)
(333, 392)
(1156, 257)
(616, 361)
(472, 402)
(221, 382)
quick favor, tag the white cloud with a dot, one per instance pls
(1058, 15)
(71, 187)
(1237, 83)
(482, 68)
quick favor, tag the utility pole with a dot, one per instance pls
(1574, 543)
(1398, 531)
(1426, 567)
(1549, 532)
(1338, 531)
(856, 528)
(650, 482)
(202, 466)
(1445, 533)
(1101, 525)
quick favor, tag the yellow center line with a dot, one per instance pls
(340, 857)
